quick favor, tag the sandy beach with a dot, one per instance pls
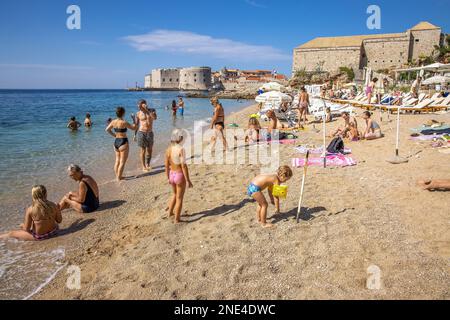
(369, 214)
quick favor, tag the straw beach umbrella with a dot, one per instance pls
(437, 80)
(272, 86)
(274, 97)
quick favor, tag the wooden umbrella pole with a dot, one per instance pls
(300, 200)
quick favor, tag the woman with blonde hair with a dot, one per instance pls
(41, 219)
(177, 173)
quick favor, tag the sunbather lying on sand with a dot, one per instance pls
(435, 185)
(267, 181)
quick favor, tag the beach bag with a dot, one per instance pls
(336, 146)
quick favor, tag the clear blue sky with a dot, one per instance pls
(120, 41)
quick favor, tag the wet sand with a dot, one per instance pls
(369, 214)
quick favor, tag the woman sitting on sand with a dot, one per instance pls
(121, 145)
(373, 130)
(252, 134)
(273, 125)
(87, 198)
(177, 173)
(349, 123)
(41, 219)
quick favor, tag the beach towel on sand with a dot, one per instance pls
(335, 160)
(426, 138)
(287, 141)
(420, 129)
(435, 131)
(319, 150)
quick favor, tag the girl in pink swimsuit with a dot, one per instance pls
(177, 173)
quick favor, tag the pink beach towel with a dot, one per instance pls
(288, 141)
(425, 138)
(319, 150)
(332, 161)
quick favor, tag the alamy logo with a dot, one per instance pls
(74, 280)
(374, 278)
(374, 20)
(74, 20)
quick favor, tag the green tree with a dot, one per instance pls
(349, 71)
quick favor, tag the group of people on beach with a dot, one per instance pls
(349, 129)
(43, 216)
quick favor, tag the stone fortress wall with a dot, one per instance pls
(377, 51)
(193, 78)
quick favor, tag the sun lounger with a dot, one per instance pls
(403, 107)
(420, 107)
(444, 105)
(422, 96)
(410, 102)
(437, 102)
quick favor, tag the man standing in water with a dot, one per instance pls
(181, 106)
(144, 133)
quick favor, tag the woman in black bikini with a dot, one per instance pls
(87, 198)
(218, 124)
(121, 145)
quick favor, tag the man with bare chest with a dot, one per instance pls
(144, 133)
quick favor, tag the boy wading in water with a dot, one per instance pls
(177, 173)
(144, 135)
(263, 182)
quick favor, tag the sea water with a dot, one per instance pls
(36, 148)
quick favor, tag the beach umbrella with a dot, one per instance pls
(272, 86)
(436, 67)
(437, 80)
(324, 154)
(273, 96)
(397, 159)
(300, 200)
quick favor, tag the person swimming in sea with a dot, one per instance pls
(121, 143)
(263, 182)
(87, 198)
(177, 173)
(174, 109)
(41, 219)
(87, 120)
(73, 124)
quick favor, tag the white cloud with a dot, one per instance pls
(43, 66)
(198, 44)
(255, 4)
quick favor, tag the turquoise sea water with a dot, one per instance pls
(36, 148)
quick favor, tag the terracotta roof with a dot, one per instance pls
(347, 41)
(424, 25)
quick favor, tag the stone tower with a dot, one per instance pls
(423, 37)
